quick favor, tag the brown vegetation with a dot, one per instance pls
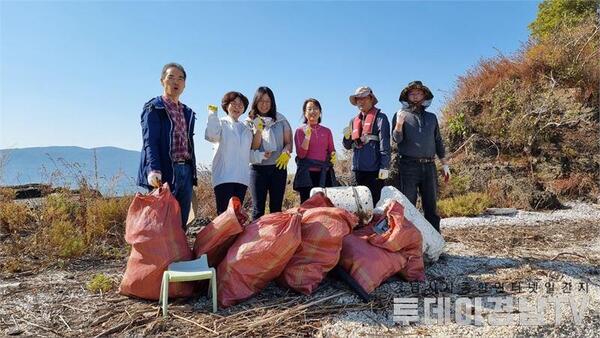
(528, 124)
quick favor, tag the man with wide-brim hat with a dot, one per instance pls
(368, 135)
(417, 135)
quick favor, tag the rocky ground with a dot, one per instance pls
(488, 256)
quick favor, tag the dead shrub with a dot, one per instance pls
(14, 216)
(507, 192)
(7, 194)
(574, 186)
(207, 206)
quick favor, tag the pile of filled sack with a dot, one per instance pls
(295, 248)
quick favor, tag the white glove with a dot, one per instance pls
(447, 175)
(154, 179)
(268, 121)
(347, 132)
(383, 174)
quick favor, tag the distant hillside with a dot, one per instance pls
(112, 169)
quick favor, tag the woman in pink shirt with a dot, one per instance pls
(315, 152)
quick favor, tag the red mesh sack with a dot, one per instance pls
(322, 229)
(405, 238)
(257, 257)
(153, 228)
(215, 238)
(371, 258)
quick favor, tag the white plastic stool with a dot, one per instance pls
(186, 271)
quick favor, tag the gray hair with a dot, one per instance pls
(172, 65)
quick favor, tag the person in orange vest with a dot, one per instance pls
(368, 135)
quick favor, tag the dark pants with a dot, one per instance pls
(315, 177)
(225, 191)
(370, 180)
(183, 190)
(266, 179)
(415, 176)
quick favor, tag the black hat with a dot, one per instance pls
(415, 85)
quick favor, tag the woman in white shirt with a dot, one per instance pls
(233, 141)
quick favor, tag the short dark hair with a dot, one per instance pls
(259, 93)
(172, 65)
(230, 97)
(316, 103)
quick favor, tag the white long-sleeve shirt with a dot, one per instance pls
(231, 142)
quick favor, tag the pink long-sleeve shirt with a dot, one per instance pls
(320, 146)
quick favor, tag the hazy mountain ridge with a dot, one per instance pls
(112, 169)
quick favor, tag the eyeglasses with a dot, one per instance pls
(264, 101)
(236, 104)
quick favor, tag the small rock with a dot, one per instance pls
(15, 332)
(501, 211)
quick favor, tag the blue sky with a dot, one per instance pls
(78, 73)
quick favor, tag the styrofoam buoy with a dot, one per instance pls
(433, 242)
(356, 199)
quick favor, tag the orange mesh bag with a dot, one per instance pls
(405, 238)
(153, 228)
(257, 257)
(367, 264)
(215, 239)
(317, 200)
(372, 257)
(323, 229)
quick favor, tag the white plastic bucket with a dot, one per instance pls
(357, 200)
(433, 242)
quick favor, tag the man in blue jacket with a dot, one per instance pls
(368, 135)
(168, 145)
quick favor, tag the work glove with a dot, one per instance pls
(333, 158)
(259, 125)
(307, 132)
(383, 174)
(212, 108)
(282, 161)
(446, 169)
(347, 132)
(400, 117)
(154, 179)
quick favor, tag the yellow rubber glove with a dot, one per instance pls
(212, 108)
(333, 158)
(307, 132)
(347, 132)
(259, 124)
(282, 161)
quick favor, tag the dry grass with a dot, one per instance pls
(532, 242)
(106, 215)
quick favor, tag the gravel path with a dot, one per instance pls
(553, 263)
